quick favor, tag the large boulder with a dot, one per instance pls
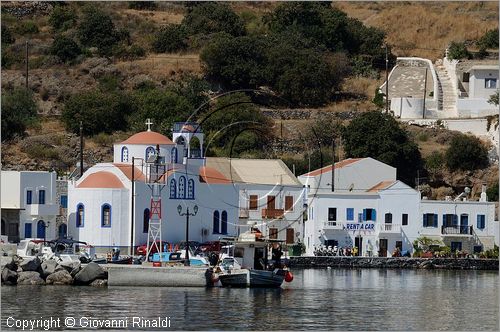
(73, 267)
(9, 277)
(48, 267)
(13, 263)
(90, 273)
(61, 277)
(30, 264)
(30, 278)
(99, 283)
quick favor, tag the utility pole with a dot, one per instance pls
(425, 93)
(132, 209)
(27, 65)
(81, 148)
(333, 164)
(386, 79)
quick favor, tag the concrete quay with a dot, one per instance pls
(393, 262)
(165, 276)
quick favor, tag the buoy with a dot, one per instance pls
(288, 276)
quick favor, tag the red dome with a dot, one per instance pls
(148, 138)
(101, 179)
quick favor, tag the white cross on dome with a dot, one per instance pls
(149, 123)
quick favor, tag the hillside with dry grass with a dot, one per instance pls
(412, 29)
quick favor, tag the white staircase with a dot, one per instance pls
(447, 97)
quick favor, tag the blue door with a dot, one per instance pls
(40, 229)
(27, 230)
(63, 230)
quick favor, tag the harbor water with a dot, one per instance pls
(333, 299)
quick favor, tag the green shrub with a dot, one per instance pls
(62, 18)
(378, 99)
(65, 48)
(7, 37)
(37, 150)
(170, 38)
(494, 99)
(423, 137)
(489, 40)
(213, 17)
(96, 29)
(129, 53)
(434, 162)
(142, 5)
(27, 27)
(103, 139)
(466, 153)
(458, 51)
(492, 193)
(18, 111)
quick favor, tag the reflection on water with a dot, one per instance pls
(341, 299)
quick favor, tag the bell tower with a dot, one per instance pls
(190, 136)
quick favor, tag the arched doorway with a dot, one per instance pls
(63, 230)
(40, 229)
(195, 147)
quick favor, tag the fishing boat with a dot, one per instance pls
(62, 250)
(177, 257)
(248, 265)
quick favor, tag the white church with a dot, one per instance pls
(103, 211)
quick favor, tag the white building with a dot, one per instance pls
(270, 196)
(29, 205)
(100, 208)
(373, 211)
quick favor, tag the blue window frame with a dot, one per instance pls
(182, 187)
(216, 222)
(145, 221)
(41, 196)
(464, 220)
(223, 227)
(106, 215)
(349, 214)
(29, 197)
(173, 156)
(173, 188)
(150, 151)
(190, 191)
(430, 220)
(481, 221)
(369, 215)
(40, 229)
(27, 230)
(124, 157)
(64, 201)
(80, 215)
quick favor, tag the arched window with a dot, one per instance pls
(40, 229)
(216, 222)
(388, 218)
(173, 189)
(173, 156)
(80, 215)
(145, 221)
(190, 193)
(124, 154)
(182, 187)
(106, 215)
(63, 230)
(150, 151)
(223, 227)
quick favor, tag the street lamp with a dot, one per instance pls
(187, 214)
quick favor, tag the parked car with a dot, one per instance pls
(143, 249)
(212, 246)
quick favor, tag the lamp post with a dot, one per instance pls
(187, 214)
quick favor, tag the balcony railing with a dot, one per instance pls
(244, 213)
(390, 228)
(456, 230)
(273, 213)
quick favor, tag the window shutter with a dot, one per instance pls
(374, 215)
(455, 220)
(435, 220)
(424, 218)
(364, 214)
(444, 220)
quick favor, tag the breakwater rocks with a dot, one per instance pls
(34, 271)
(394, 263)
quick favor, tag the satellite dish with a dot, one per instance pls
(467, 190)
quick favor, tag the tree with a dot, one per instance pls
(213, 17)
(378, 135)
(489, 40)
(100, 112)
(235, 118)
(18, 111)
(98, 30)
(458, 51)
(170, 38)
(466, 153)
(65, 48)
(62, 18)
